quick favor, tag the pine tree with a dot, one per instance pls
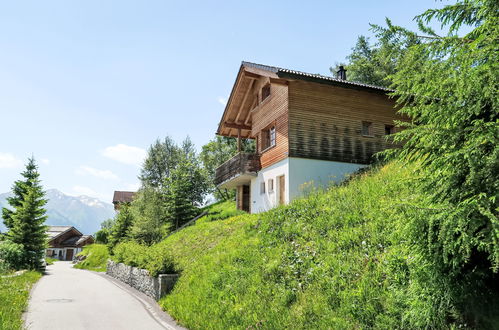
(448, 86)
(19, 190)
(27, 222)
(122, 226)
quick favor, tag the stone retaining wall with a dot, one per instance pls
(140, 279)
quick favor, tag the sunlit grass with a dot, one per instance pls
(14, 294)
(96, 258)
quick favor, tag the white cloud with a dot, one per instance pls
(82, 190)
(8, 160)
(102, 174)
(222, 100)
(125, 154)
(45, 161)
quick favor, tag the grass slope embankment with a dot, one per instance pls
(336, 259)
(14, 295)
(96, 258)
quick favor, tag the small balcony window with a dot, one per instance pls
(367, 128)
(389, 129)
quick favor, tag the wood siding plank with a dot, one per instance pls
(325, 122)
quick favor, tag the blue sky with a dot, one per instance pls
(87, 86)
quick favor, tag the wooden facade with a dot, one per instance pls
(306, 116)
(325, 122)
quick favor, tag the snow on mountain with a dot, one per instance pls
(84, 212)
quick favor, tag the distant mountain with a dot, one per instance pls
(83, 212)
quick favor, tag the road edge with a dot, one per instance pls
(150, 305)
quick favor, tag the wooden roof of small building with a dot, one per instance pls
(67, 236)
(123, 197)
(56, 231)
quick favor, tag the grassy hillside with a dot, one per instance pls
(336, 259)
(330, 260)
(97, 256)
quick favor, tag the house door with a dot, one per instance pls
(282, 189)
(69, 254)
(246, 198)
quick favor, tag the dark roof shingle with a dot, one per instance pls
(287, 73)
(123, 196)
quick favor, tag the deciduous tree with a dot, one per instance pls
(215, 153)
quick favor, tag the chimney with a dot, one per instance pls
(341, 73)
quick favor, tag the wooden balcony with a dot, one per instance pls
(238, 170)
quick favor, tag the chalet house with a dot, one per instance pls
(307, 127)
(65, 242)
(122, 197)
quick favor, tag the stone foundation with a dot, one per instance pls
(138, 278)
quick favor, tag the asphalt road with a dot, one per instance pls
(72, 299)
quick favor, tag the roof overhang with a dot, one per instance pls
(238, 180)
(64, 232)
(236, 119)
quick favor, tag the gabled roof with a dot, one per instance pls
(239, 107)
(123, 196)
(75, 240)
(56, 231)
(287, 73)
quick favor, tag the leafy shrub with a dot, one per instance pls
(153, 259)
(102, 236)
(11, 255)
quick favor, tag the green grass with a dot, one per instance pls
(220, 211)
(97, 256)
(14, 294)
(50, 261)
(338, 259)
(321, 262)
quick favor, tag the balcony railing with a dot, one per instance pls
(242, 163)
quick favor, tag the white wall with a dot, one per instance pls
(64, 251)
(263, 202)
(320, 173)
(300, 176)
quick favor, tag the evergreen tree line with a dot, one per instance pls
(23, 245)
(447, 84)
(175, 181)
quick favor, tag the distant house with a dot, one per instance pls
(65, 242)
(122, 197)
(307, 128)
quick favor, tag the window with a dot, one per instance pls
(268, 138)
(389, 129)
(262, 188)
(271, 185)
(367, 128)
(265, 92)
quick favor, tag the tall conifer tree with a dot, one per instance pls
(19, 190)
(26, 222)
